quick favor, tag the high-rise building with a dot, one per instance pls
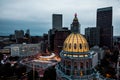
(77, 62)
(104, 25)
(57, 34)
(27, 34)
(19, 34)
(59, 38)
(91, 36)
(56, 39)
(56, 25)
(51, 34)
(57, 21)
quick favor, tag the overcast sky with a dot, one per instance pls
(39, 12)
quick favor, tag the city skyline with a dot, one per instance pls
(37, 15)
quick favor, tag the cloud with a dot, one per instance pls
(42, 10)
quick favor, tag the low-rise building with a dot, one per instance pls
(24, 50)
(98, 50)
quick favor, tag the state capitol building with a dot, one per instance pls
(77, 62)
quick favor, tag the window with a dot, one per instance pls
(87, 64)
(70, 46)
(81, 65)
(81, 55)
(75, 55)
(67, 72)
(69, 55)
(75, 46)
(75, 72)
(86, 55)
(64, 54)
(81, 73)
(80, 46)
(69, 64)
(75, 65)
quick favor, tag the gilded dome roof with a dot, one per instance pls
(75, 42)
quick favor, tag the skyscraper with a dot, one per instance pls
(59, 38)
(91, 36)
(56, 25)
(19, 34)
(104, 25)
(57, 21)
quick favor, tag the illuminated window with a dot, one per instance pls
(80, 46)
(64, 54)
(81, 56)
(70, 55)
(75, 55)
(81, 73)
(86, 55)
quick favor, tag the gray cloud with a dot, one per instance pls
(41, 11)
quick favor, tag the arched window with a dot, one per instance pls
(81, 65)
(70, 46)
(75, 46)
(75, 65)
(87, 64)
(67, 72)
(69, 64)
(80, 46)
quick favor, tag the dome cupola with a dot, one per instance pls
(75, 42)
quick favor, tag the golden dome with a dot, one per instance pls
(75, 42)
